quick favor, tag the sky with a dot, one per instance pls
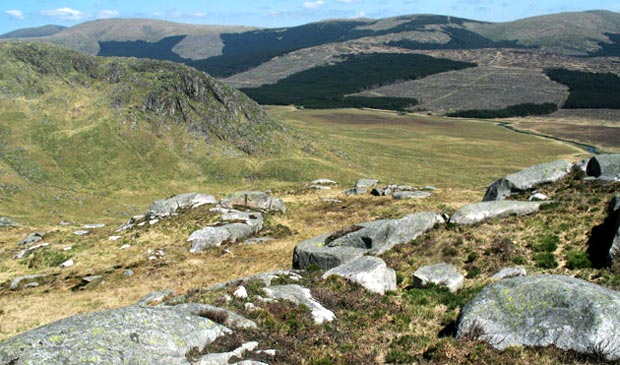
(274, 13)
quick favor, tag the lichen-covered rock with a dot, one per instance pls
(131, 335)
(370, 272)
(527, 179)
(25, 280)
(480, 212)
(300, 295)
(168, 206)
(254, 200)
(331, 250)
(604, 166)
(545, 310)
(355, 191)
(439, 274)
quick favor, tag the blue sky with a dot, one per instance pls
(274, 13)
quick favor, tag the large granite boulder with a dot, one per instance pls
(331, 250)
(480, 212)
(527, 179)
(401, 195)
(368, 271)
(604, 166)
(131, 335)
(243, 225)
(545, 310)
(254, 200)
(439, 274)
(168, 206)
(300, 295)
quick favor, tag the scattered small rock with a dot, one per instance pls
(81, 232)
(128, 272)
(319, 187)
(67, 263)
(254, 200)
(94, 225)
(33, 237)
(241, 293)
(125, 246)
(538, 197)
(440, 274)
(399, 195)
(29, 278)
(331, 200)
(115, 238)
(68, 248)
(366, 183)
(154, 298)
(7, 222)
(323, 182)
(509, 272)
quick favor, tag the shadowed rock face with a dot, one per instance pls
(131, 335)
(604, 166)
(544, 310)
(480, 212)
(375, 238)
(527, 179)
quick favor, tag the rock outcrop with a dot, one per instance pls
(165, 207)
(243, 225)
(527, 179)
(331, 250)
(31, 238)
(370, 272)
(480, 212)
(439, 274)
(254, 200)
(545, 310)
(604, 166)
(130, 335)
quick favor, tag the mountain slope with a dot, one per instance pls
(201, 41)
(76, 130)
(43, 31)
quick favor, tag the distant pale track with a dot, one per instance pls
(588, 148)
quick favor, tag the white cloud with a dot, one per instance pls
(107, 14)
(348, 1)
(313, 4)
(199, 14)
(64, 14)
(17, 14)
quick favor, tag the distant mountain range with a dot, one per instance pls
(515, 53)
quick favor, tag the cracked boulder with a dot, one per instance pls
(331, 250)
(527, 179)
(545, 310)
